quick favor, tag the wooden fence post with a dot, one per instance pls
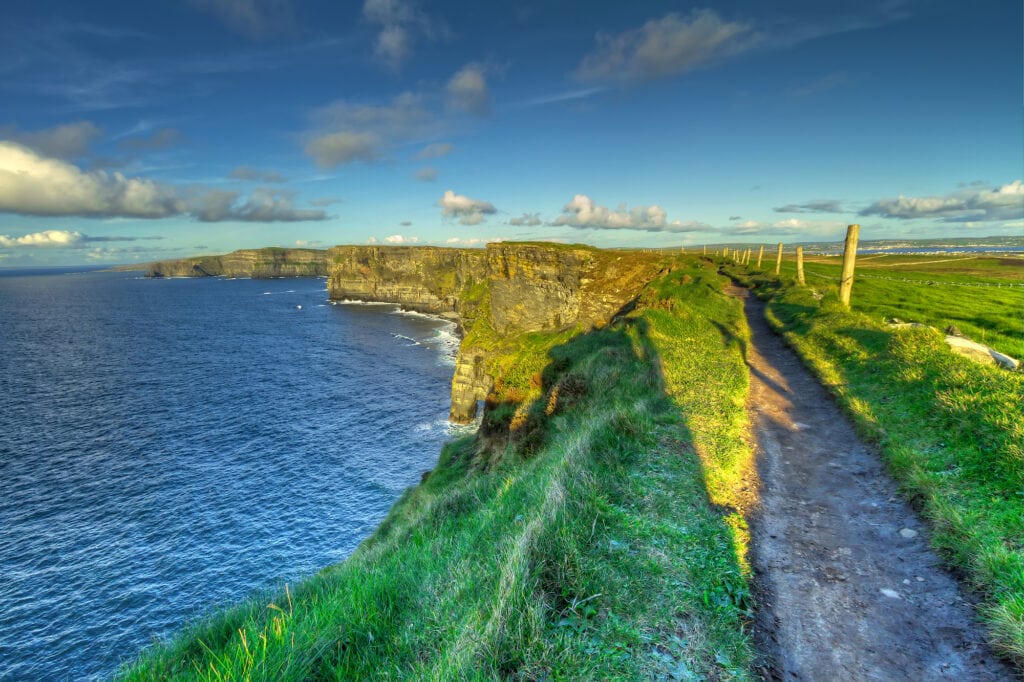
(849, 260)
(705, 249)
(778, 260)
(725, 252)
(760, 255)
(800, 265)
(747, 260)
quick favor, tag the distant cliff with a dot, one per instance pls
(496, 294)
(255, 263)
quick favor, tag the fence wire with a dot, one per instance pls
(927, 282)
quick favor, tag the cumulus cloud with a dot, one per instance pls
(427, 174)
(67, 141)
(467, 91)
(468, 211)
(819, 206)
(582, 212)
(405, 223)
(789, 226)
(262, 206)
(160, 139)
(62, 239)
(400, 23)
(252, 18)
(400, 239)
(348, 132)
(471, 241)
(435, 150)
(664, 47)
(31, 184)
(250, 173)
(531, 219)
(968, 205)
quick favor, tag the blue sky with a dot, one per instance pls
(137, 131)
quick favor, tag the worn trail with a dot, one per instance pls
(848, 587)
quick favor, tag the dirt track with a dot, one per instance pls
(847, 586)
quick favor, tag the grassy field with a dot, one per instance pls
(606, 545)
(974, 293)
(950, 430)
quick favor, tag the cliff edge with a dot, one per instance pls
(255, 263)
(497, 295)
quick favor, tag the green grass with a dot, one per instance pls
(938, 291)
(950, 430)
(590, 550)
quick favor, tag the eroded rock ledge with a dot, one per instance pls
(507, 289)
(255, 263)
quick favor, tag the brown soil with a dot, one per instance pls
(847, 586)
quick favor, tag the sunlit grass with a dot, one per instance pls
(590, 550)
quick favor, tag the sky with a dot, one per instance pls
(131, 132)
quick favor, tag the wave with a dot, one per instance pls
(406, 338)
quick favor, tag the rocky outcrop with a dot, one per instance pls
(255, 263)
(508, 289)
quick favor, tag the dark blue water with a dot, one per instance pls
(170, 445)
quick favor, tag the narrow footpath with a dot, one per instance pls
(847, 586)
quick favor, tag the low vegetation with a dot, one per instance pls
(591, 530)
(950, 430)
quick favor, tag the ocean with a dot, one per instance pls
(171, 446)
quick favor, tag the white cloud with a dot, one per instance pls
(371, 240)
(435, 150)
(663, 47)
(427, 174)
(471, 241)
(467, 91)
(531, 219)
(31, 184)
(400, 239)
(67, 141)
(968, 205)
(35, 185)
(468, 211)
(582, 212)
(57, 238)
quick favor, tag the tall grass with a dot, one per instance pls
(950, 430)
(590, 550)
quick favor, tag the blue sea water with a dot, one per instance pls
(171, 445)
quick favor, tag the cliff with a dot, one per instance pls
(255, 263)
(497, 295)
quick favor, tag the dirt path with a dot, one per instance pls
(848, 588)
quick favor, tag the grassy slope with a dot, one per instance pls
(587, 550)
(950, 429)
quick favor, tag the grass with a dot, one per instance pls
(607, 545)
(950, 430)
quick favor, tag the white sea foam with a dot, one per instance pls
(406, 338)
(349, 301)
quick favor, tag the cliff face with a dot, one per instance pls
(423, 278)
(497, 294)
(255, 263)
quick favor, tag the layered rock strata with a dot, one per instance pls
(255, 263)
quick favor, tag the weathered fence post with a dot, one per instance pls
(760, 255)
(778, 260)
(725, 252)
(800, 265)
(849, 259)
(705, 249)
(747, 260)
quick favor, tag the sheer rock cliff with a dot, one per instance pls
(255, 263)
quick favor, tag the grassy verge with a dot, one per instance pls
(950, 430)
(590, 550)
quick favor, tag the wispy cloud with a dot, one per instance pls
(435, 150)
(567, 96)
(348, 132)
(256, 19)
(256, 174)
(527, 219)
(817, 206)
(664, 47)
(427, 174)
(968, 205)
(400, 24)
(158, 140)
(67, 141)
